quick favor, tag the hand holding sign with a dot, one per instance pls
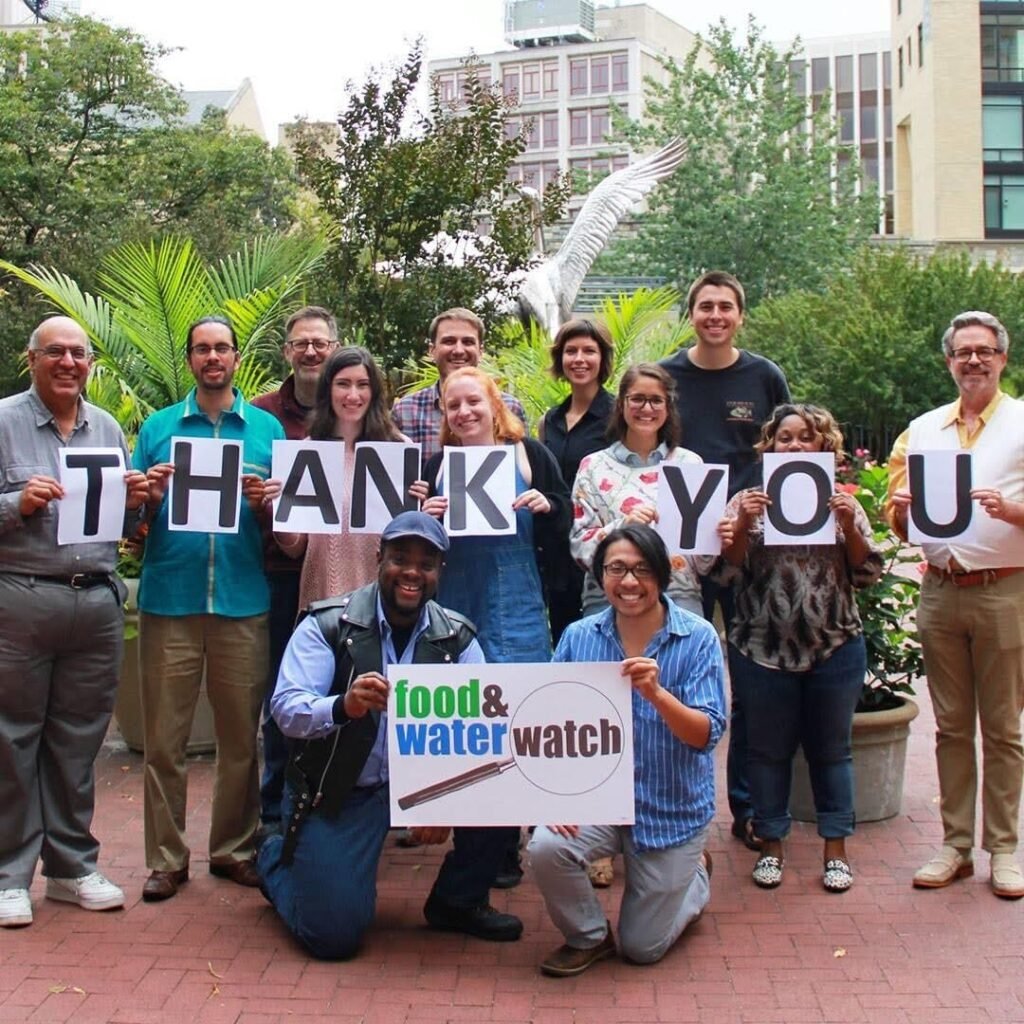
(37, 493)
(138, 489)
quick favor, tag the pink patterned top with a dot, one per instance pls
(334, 563)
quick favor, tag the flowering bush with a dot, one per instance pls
(888, 607)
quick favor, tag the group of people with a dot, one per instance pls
(295, 632)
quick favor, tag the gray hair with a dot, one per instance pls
(975, 318)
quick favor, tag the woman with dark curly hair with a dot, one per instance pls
(796, 651)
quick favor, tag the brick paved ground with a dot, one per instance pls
(882, 952)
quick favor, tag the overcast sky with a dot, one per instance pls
(299, 55)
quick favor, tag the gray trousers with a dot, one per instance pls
(60, 656)
(665, 889)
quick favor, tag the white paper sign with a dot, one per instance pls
(691, 500)
(312, 475)
(383, 473)
(92, 508)
(940, 496)
(205, 490)
(480, 483)
(799, 485)
(539, 744)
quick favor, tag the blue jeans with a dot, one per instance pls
(713, 593)
(284, 603)
(327, 895)
(813, 709)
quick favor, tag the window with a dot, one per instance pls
(798, 76)
(1004, 203)
(620, 72)
(578, 70)
(1002, 128)
(599, 75)
(899, 79)
(510, 82)
(920, 44)
(579, 123)
(600, 126)
(532, 131)
(1002, 47)
(550, 123)
(531, 82)
(550, 75)
(446, 87)
(511, 128)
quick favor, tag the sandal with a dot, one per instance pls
(768, 871)
(838, 877)
(744, 832)
(601, 872)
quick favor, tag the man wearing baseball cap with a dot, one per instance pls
(331, 701)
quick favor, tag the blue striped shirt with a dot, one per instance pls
(674, 783)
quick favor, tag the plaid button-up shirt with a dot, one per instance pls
(418, 416)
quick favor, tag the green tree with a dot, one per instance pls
(426, 214)
(765, 191)
(94, 153)
(150, 293)
(868, 347)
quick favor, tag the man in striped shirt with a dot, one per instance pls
(674, 663)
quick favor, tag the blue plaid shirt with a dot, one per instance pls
(418, 416)
(674, 783)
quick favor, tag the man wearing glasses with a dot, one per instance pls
(311, 335)
(203, 599)
(61, 633)
(971, 611)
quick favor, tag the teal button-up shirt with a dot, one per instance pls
(186, 573)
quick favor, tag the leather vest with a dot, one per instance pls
(326, 769)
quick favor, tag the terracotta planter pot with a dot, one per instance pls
(128, 703)
(879, 757)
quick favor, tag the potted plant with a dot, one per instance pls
(881, 724)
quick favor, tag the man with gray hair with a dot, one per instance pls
(61, 633)
(971, 613)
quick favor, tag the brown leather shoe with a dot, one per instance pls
(162, 885)
(567, 961)
(241, 872)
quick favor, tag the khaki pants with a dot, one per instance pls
(173, 651)
(973, 640)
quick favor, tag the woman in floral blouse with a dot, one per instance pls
(619, 484)
(796, 651)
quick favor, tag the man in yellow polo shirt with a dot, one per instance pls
(971, 613)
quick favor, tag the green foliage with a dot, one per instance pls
(394, 181)
(643, 327)
(887, 608)
(94, 153)
(150, 294)
(868, 347)
(758, 193)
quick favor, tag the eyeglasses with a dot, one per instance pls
(318, 345)
(637, 402)
(619, 570)
(984, 354)
(58, 352)
(223, 349)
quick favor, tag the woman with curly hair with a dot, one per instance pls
(796, 651)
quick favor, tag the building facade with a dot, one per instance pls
(568, 66)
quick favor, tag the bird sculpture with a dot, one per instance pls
(549, 291)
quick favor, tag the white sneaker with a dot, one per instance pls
(15, 908)
(93, 892)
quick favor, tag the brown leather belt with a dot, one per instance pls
(975, 578)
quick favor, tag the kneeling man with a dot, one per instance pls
(331, 698)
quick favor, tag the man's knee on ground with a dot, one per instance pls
(549, 852)
(641, 948)
(338, 944)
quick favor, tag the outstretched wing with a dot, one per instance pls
(602, 211)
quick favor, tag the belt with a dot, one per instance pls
(974, 578)
(78, 581)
